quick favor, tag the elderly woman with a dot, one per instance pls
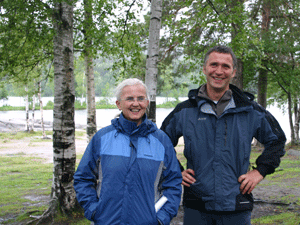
(129, 173)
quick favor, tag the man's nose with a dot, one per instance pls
(219, 70)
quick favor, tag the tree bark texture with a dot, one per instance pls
(27, 110)
(263, 74)
(64, 154)
(33, 111)
(297, 121)
(238, 79)
(91, 127)
(262, 87)
(290, 105)
(41, 109)
(152, 57)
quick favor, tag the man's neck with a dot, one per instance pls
(214, 95)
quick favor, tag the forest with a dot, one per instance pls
(71, 48)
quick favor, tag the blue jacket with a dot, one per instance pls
(124, 171)
(218, 148)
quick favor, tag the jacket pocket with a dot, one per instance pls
(244, 202)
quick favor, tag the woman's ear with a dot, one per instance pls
(118, 103)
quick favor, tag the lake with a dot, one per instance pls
(104, 116)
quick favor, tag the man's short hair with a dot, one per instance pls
(221, 49)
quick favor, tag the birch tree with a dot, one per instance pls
(41, 109)
(63, 198)
(64, 154)
(152, 56)
(263, 73)
(33, 112)
(27, 109)
(91, 128)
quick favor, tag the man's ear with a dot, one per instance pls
(204, 70)
(233, 73)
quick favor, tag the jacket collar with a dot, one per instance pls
(131, 129)
(241, 98)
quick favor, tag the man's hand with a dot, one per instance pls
(249, 181)
(188, 177)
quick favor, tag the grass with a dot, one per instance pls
(25, 188)
(22, 135)
(21, 177)
(286, 218)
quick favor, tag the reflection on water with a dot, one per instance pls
(103, 116)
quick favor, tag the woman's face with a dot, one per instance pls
(133, 103)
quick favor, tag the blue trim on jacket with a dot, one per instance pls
(124, 171)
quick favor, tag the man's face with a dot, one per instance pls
(133, 103)
(219, 71)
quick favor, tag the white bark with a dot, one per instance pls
(152, 57)
(41, 110)
(27, 110)
(64, 154)
(33, 111)
(91, 127)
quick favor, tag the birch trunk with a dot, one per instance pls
(91, 127)
(27, 110)
(152, 57)
(41, 110)
(64, 155)
(33, 111)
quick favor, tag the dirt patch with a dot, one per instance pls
(33, 147)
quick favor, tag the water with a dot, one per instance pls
(104, 116)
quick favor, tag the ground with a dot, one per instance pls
(272, 196)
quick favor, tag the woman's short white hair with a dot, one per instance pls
(129, 82)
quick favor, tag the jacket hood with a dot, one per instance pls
(130, 128)
(240, 98)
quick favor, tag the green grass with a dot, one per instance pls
(286, 218)
(35, 135)
(21, 177)
(21, 135)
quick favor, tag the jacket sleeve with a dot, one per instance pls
(173, 128)
(170, 184)
(85, 180)
(273, 138)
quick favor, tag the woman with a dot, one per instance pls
(128, 166)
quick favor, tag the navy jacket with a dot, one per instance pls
(218, 148)
(124, 171)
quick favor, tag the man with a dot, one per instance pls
(218, 123)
